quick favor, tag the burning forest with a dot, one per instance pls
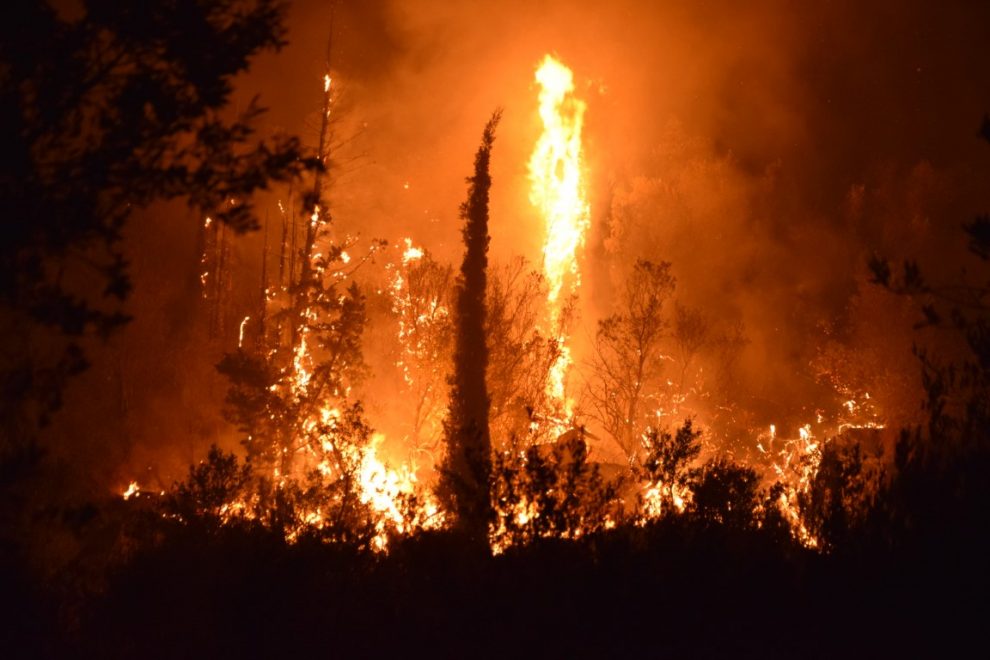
(503, 328)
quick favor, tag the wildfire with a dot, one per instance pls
(317, 440)
(795, 466)
(391, 495)
(557, 191)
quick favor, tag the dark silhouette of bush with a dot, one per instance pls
(724, 493)
(551, 491)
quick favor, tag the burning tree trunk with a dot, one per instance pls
(465, 475)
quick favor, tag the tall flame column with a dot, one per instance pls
(557, 191)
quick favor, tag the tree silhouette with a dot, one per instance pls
(724, 493)
(106, 113)
(552, 491)
(937, 492)
(521, 358)
(625, 380)
(467, 466)
(666, 461)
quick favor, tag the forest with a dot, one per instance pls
(339, 328)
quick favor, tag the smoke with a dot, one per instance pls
(765, 149)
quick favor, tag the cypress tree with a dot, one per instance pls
(467, 467)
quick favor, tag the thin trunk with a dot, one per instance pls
(292, 241)
(264, 286)
(320, 216)
(281, 249)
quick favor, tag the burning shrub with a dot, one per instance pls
(551, 491)
(215, 490)
(222, 492)
(665, 470)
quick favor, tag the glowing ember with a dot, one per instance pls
(557, 191)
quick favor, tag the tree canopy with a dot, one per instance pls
(107, 110)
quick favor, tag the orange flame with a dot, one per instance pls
(557, 191)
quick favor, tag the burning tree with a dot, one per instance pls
(665, 469)
(289, 388)
(466, 473)
(307, 441)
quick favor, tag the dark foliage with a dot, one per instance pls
(467, 466)
(104, 114)
(841, 495)
(934, 499)
(725, 493)
(551, 491)
(667, 458)
(107, 109)
(266, 401)
(670, 589)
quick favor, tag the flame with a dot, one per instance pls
(240, 334)
(795, 466)
(557, 191)
(411, 253)
(132, 490)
